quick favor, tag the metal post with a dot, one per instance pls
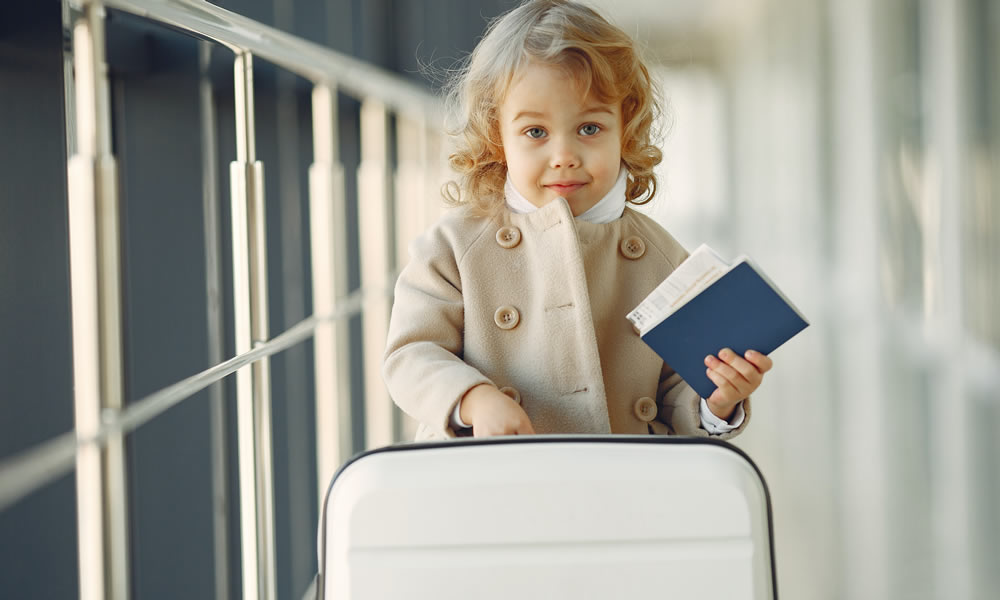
(328, 235)
(374, 218)
(253, 385)
(436, 169)
(215, 324)
(102, 510)
(412, 173)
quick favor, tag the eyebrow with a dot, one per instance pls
(529, 114)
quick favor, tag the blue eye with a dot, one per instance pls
(535, 133)
(589, 129)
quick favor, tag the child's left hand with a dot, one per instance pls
(735, 377)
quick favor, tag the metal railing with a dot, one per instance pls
(96, 447)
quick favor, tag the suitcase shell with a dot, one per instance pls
(548, 517)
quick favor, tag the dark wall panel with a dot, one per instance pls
(35, 356)
(155, 104)
(428, 38)
(36, 401)
(284, 145)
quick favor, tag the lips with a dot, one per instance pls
(564, 188)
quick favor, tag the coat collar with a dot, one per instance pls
(551, 215)
(558, 213)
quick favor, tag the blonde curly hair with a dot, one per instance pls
(560, 33)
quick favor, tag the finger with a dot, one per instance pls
(762, 361)
(725, 392)
(495, 429)
(734, 377)
(745, 368)
(738, 386)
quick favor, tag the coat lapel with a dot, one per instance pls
(559, 271)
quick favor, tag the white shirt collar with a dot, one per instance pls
(610, 207)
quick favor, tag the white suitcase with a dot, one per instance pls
(548, 517)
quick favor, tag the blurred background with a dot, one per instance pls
(851, 147)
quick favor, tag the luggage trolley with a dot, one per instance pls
(548, 517)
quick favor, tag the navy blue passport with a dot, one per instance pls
(741, 310)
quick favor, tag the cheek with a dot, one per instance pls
(520, 164)
(610, 158)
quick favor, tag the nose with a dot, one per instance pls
(564, 155)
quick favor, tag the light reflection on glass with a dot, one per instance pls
(877, 431)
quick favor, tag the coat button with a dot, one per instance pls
(514, 394)
(506, 317)
(633, 247)
(645, 409)
(508, 237)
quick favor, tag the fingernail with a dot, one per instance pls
(708, 360)
(726, 353)
(750, 354)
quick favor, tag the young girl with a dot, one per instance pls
(510, 316)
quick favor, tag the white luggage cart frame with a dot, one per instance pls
(548, 517)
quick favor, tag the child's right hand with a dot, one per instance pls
(491, 412)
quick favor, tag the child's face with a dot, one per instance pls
(556, 143)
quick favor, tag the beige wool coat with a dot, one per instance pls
(535, 304)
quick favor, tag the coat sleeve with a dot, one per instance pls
(422, 367)
(679, 407)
